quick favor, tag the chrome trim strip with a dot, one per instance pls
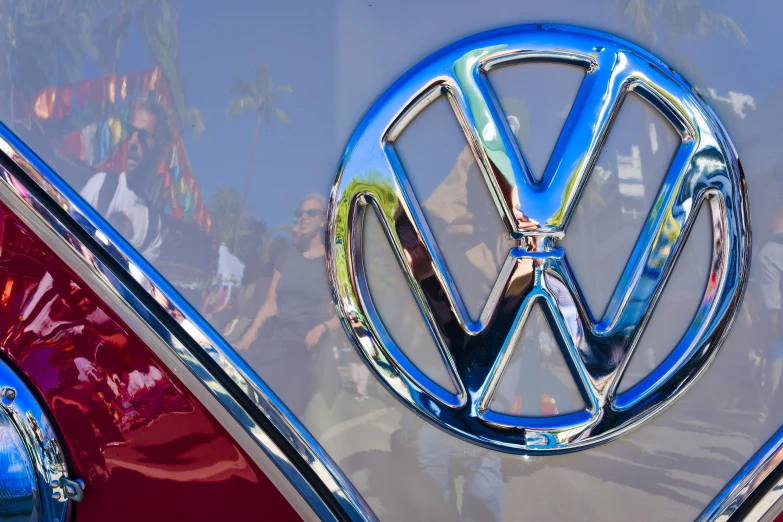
(95, 275)
(745, 482)
(768, 507)
(136, 284)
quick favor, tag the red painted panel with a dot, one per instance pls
(146, 448)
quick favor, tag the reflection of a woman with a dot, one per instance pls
(299, 301)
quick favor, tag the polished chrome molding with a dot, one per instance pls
(38, 471)
(769, 507)
(756, 472)
(114, 265)
(704, 171)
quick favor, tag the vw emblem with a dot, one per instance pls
(705, 170)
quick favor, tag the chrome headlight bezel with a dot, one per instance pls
(37, 466)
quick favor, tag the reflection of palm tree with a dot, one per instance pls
(261, 97)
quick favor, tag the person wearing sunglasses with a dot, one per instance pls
(121, 198)
(297, 317)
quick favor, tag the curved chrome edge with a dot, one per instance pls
(768, 507)
(130, 284)
(146, 330)
(746, 481)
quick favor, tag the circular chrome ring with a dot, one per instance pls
(705, 170)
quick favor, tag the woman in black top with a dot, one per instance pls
(297, 313)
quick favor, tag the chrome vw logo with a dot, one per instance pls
(536, 214)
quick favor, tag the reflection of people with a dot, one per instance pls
(536, 381)
(443, 461)
(121, 199)
(302, 314)
(360, 375)
(475, 254)
(771, 314)
(467, 227)
(475, 246)
(218, 303)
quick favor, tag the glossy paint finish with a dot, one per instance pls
(338, 58)
(145, 447)
(313, 475)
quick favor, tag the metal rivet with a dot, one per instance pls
(56, 495)
(73, 489)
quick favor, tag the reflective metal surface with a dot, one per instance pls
(18, 487)
(70, 85)
(769, 507)
(748, 480)
(34, 482)
(132, 421)
(596, 346)
(192, 332)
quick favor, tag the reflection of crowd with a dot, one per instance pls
(282, 318)
(286, 342)
(763, 310)
(474, 261)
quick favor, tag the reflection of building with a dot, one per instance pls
(85, 120)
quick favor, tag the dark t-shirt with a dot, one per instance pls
(303, 296)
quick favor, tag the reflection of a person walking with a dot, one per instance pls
(475, 255)
(297, 314)
(771, 278)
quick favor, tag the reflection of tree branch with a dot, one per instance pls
(720, 23)
(47, 39)
(158, 19)
(162, 35)
(680, 18)
(641, 12)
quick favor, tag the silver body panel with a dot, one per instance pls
(338, 59)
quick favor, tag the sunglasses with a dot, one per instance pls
(311, 212)
(144, 135)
